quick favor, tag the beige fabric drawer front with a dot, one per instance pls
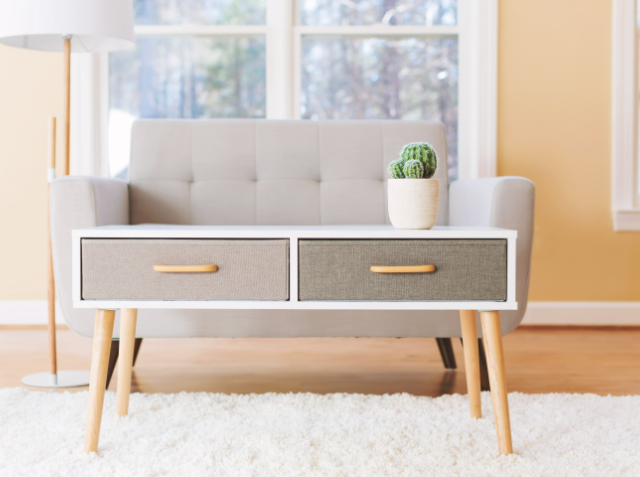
(465, 270)
(123, 269)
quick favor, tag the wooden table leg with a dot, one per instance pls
(469, 325)
(492, 336)
(128, 318)
(102, 336)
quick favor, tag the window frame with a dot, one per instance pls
(476, 29)
(625, 204)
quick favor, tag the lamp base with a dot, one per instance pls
(64, 379)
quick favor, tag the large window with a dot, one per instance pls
(307, 59)
(361, 73)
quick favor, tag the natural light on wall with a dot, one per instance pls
(367, 59)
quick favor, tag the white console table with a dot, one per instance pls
(316, 267)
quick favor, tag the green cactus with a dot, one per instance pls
(395, 169)
(413, 169)
(422, 152)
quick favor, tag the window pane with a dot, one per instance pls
(383, 78)
(200, 12)
(369, 12)
(183, 77)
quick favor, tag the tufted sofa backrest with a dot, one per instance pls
(271, 172)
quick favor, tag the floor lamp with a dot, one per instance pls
(67, 26)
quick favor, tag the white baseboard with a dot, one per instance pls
(582, 313)
(34, 312)
(27, 312)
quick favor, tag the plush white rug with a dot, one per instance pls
(42, 434)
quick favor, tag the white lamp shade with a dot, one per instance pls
(94, 25)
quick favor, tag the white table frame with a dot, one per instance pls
(105, 316)
(294, 234)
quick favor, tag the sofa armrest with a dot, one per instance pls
(504, 202)
(83, 201)
(79, 202)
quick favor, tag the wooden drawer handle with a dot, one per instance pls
(185, 268)
(408, 269)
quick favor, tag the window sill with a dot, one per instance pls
(626, 220)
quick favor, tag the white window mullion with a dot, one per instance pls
(221, 31)
(280, 59)
(477, 93)
(297, 72)
(89, 114)
(371, 31)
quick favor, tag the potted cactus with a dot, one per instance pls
(412, 193)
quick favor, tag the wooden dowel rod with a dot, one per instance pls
(185, 268)
(492, 337)
(402, 269)
(469, 325)
(102, 336)
(128, 318)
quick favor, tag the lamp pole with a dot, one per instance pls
(64, 25)
(53, 379)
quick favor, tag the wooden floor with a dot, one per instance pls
(538, 360)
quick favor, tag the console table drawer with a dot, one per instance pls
(124, 269)
(464, 270)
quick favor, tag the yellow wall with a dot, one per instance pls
(554, 121)
(553, 127)
(30, 92)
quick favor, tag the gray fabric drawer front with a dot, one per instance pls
(123, 269)
(465, 270)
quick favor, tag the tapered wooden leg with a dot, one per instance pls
(99, 363)
(469, 327)
(128, 317)
(492, 336)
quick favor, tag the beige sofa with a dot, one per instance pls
(226, 172)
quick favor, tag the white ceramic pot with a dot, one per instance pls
(413, 203)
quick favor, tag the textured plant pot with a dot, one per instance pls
(413, 203)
